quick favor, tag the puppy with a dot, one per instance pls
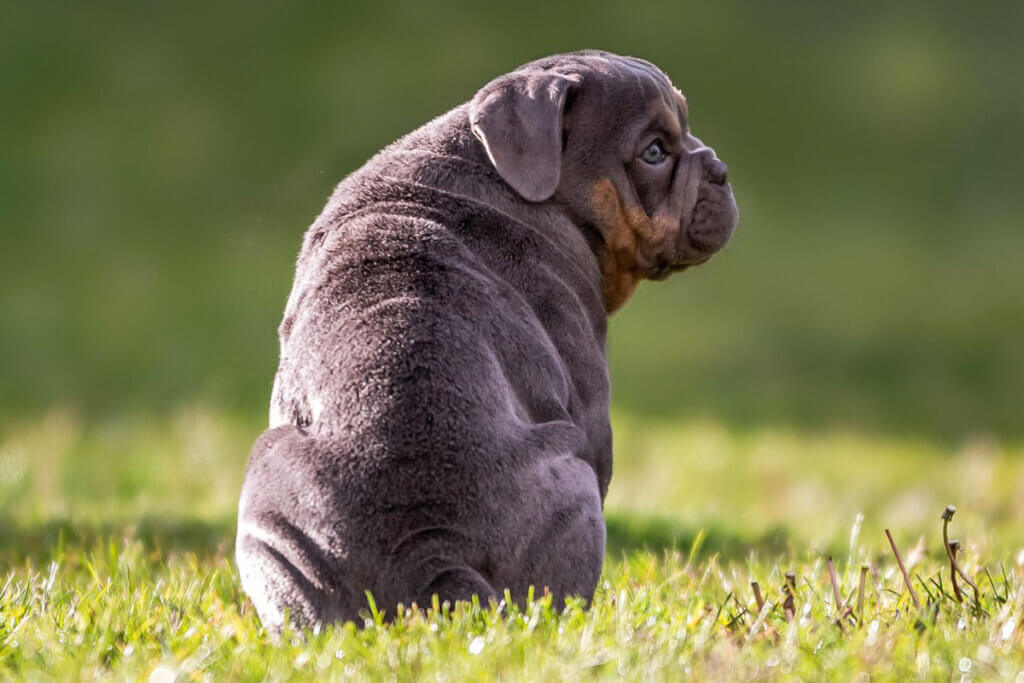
(439, 419)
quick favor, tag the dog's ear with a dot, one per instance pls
(518, 118)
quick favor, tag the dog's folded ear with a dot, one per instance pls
(518, 118)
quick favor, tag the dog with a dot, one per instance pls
(439, 421)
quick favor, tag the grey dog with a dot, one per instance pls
(439, 424)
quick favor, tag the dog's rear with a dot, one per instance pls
(439, 420)
(404, 457)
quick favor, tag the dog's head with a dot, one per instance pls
(608, 138)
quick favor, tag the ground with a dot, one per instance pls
(855, 350)
(127, 570)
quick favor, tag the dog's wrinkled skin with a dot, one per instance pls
(439, 419)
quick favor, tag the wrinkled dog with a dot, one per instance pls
(439, 418)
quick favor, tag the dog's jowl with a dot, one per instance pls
(439, 418)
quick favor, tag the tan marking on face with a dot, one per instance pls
(618, 260)
(629, 235)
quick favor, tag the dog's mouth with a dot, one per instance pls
(703, 233)
(663, 270)
(708, 226)
(679, 267)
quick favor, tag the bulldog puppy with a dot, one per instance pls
(439, 421)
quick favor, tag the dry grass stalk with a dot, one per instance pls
(757, 595)
(860, 594)
(947, 515)
(789, 604)
(903, 569)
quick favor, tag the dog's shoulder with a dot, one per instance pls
(434, 192)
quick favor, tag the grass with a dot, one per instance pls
(125, 571)
(118, 610)
(854, 354)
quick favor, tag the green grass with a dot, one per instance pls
(855, 351)
(116, 545)
(117, 610)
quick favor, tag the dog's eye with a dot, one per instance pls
(654, 154)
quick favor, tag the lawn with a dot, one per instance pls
(126, 570)
(852, 362)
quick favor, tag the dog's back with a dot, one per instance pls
(432, 378)
(439, 421)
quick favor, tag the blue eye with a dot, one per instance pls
(654, 154)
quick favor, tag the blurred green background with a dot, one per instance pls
(852, 362)
(160, 162)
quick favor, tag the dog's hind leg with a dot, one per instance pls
(281, 584)
(564, 550)
(454, 584)
(283, 555)
(442, 561)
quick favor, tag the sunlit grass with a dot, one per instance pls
(116, 545)
(115, 609)
(814, 483)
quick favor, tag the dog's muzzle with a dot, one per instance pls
(709, 213)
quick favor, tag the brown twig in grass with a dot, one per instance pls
(835, 585)
(903, 570)
(951, 548)
(757, 595)
(789, 588)
(947, 515)
(842, 611)
(860, 594)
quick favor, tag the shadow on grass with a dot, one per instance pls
(629, 533)
(42, 542)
